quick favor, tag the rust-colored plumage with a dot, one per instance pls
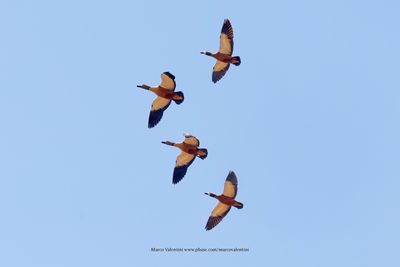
(189, 151)
(226, 201)
(224, 55)
(165, 94)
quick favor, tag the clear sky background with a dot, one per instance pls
(309, 122)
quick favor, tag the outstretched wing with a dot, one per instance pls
(182, 163)
(218, 213)
(158, 107)
(168, 81)
(191, 140)
(226, 38)
(219, 70)
(230, 185)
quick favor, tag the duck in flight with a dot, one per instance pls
(226, 201)
(165, 94)
(224, 55)
(189, 150)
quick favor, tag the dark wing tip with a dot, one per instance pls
(179, 173)
(227, 29)
(169, 75)
(217, 75)
(155, 117)
(232, 178)
(212, 222)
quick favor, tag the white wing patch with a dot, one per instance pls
(220, 210)
(191, 140)
(219, 70)
(220, 66)
(160, 103)
(225, 45)
(218, 213)
(184, 159)
(168, 81)
(230, 185)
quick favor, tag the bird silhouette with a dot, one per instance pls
(189, 150)
(224, 55)
(165, 94)
(226, 201)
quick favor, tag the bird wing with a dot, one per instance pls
(230, 185)
(217, 214)
(182, 163)
(226, 38)
(168, 81)
(191, 140)
(219, 70)
(158, 107)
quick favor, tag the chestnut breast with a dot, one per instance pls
(165, 93)
(191, 149)
(226, 200)
(223, 57)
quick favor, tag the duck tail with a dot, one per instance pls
(236, 61)
(178, 97)
(202, 153)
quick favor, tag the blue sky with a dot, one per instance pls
(309, 122)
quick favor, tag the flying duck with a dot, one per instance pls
(226, 201)
(224, 55)
(189, 150)
(165, 93)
